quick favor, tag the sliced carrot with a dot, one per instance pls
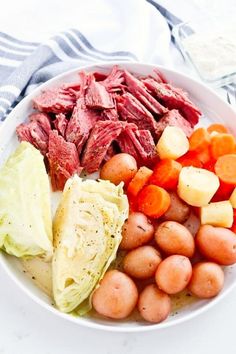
(225, 168)
(218, 128)
(166, 174)
(199, 140)
(190, 159)
(153, 201)
(223, 192)
(222, 144)
(204, 155)
(132, 204)
(139, 181)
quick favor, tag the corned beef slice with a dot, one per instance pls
(60, 123)
(109, 114)
(101, 137)
(126, 144)
(133, 111)
(111, 151)
(36, 131)
(63, 160)
(114, 81)
(80, 124)
(97, 96)
(55, 100)
(138, 89)
(139, 144)
(174, 98)
(82, 119)
(42, 119)
(174, 118)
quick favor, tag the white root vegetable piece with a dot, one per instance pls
(232, 198)
(172, 144)
(197, 186)
(217, 214)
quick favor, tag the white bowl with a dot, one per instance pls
(212, 106)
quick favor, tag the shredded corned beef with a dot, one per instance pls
(132, 111)
(63, 160)
(97, 96)
(98, 115)
(36, 132)
(175, 119)
(101, 137)
(174, 98)
(60, 123)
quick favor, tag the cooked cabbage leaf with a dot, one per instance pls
(87, 233)
(25, 211)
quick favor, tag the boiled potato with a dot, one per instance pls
(137, 230)
(197, 186)
(192, 224)
(154, 305)
(233, 198)
(172, 144)
(173, 274)
(117, 295)
(217, 244)
(207, 280)
(178, 211)
(173, 238)
(142, 262)
(217, 214)
(120, 168)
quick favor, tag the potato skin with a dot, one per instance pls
(142, 262)
(154, 305)
(116, 296)
(137, 230)
(178, 211)
(207, 280)
(217, 244)
(173, 274)
(120, 168)
(174, 238)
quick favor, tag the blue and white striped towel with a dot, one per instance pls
(37, 63)
(25, 65)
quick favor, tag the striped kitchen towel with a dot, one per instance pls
(25, 65)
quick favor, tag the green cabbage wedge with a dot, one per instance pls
(25, 211)
(87, 233)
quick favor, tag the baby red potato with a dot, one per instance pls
(117, 295)
(173, 274)
(142, 262)
(154, 305)
(207, 280)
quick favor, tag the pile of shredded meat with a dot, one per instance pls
(79, 126)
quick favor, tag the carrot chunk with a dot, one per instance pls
(223, 192)
(153, 201)
(139, 181)
(218, 128)
(166, 174)
(222, 144)
(204, 156)
(225, 168)
(190, 159)
(199, 140)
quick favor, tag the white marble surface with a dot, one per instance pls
(25, 327)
